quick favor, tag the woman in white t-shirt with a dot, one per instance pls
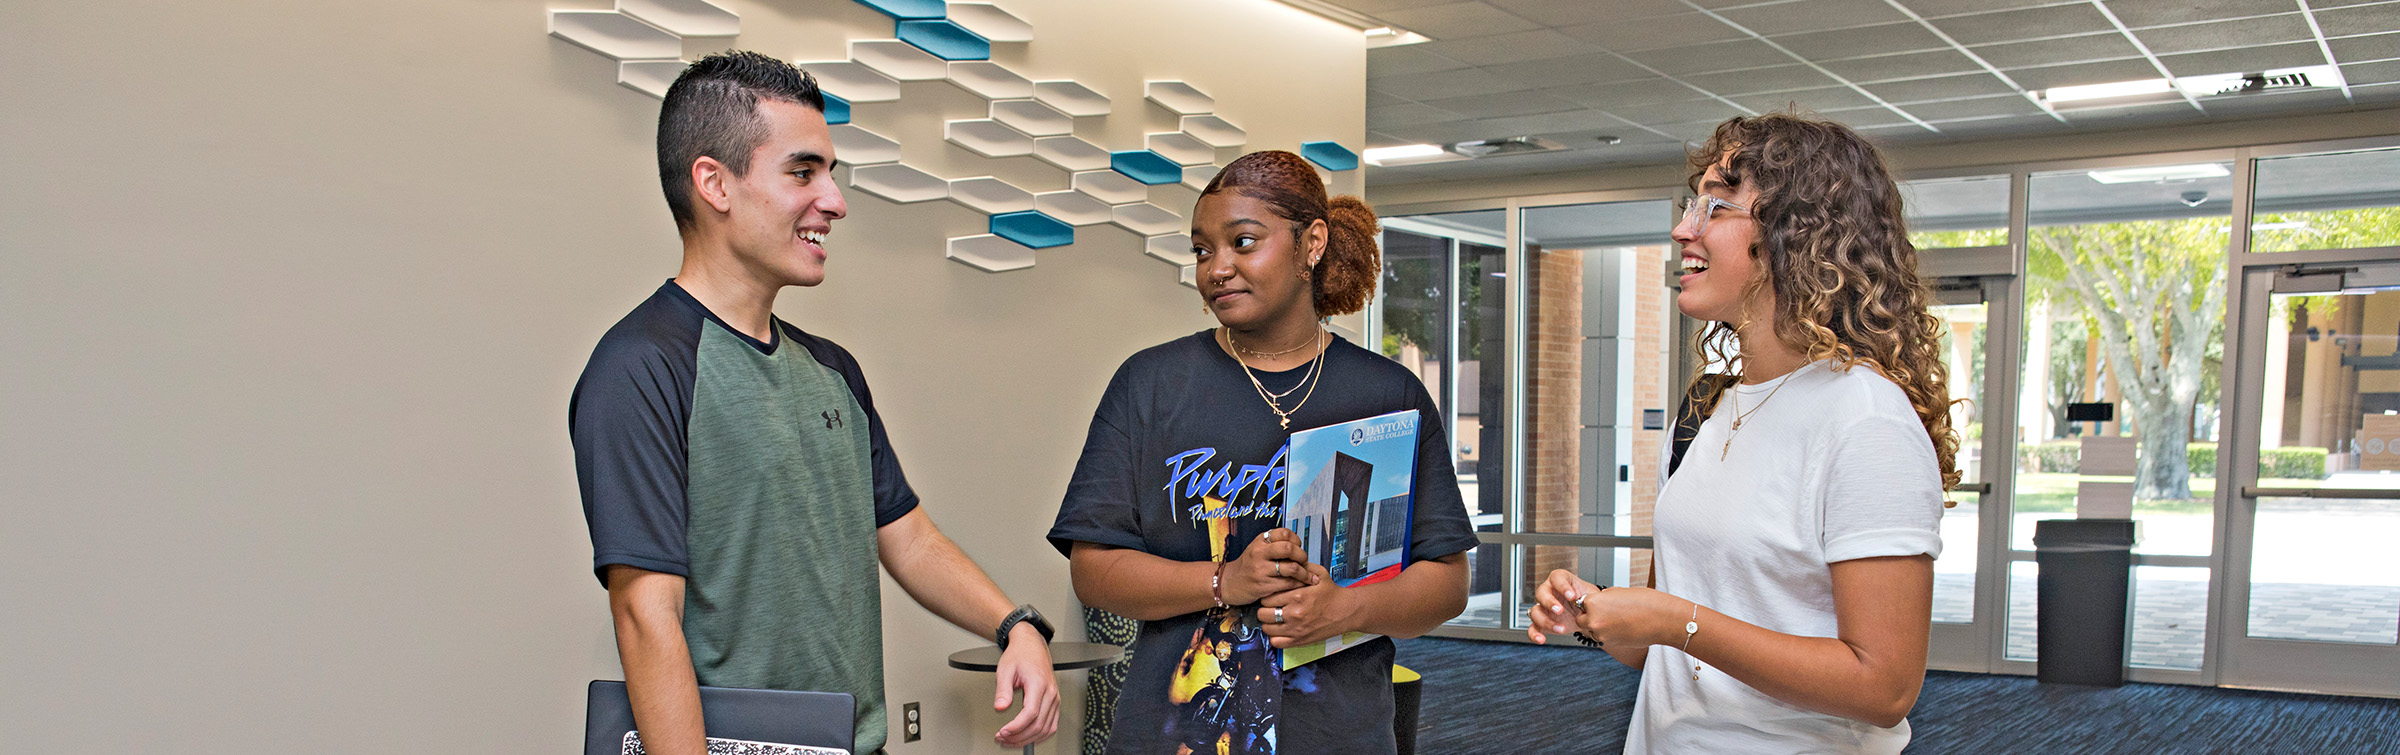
(1795, 540)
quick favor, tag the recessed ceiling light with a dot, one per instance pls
(2106, 91)
(2160, 173)
(1607, 139)
(1408, 154)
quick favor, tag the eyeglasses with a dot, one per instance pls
(1697, 210)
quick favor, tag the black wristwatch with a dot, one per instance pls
(1025, 613)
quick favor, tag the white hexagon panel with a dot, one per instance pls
(651, 77)
(1111, 187)
(617, 35)
(857, 146)
(1173, 248)
(1146, 219)
(1070, 153)
(898, 182)
(1033, 117)
(899, 60)
(1189, 276)
(1179, 98)
(990, 22)
(1182, 148)
(988, 138)
(991, 253)
(1198, 176)
(690, 18)
(1214, 130)
(852, 81)
(990, 81)
(990, 196)
(1072, 207)
(1071, 98)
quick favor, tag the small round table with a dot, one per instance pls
(1064, 656)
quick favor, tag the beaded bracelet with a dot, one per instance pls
(1216, 585)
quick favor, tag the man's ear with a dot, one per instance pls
(709, 179)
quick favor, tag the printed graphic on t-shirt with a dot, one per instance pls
(1225, 694)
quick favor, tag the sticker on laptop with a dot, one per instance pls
(633, 746)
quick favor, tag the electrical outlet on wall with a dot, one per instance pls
(912, 723)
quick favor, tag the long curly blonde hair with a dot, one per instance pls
(1837, 255)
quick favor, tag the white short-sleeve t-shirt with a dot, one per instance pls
(1829, 465)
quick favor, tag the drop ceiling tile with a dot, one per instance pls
(1457, 20)
(2366, 48)
(1406, 59)
(1907, 36)
(2324, 4)
(1938, 8)
(1978, 107)
(1911, 65)
(1440, 84)
(1865, 117)
(2376, 94)
(2363, 19)
(1379, 99)
(1580, 121)
(2005, 126)
(2140, 14)
(2246, 59)
(2133, 117)
(1756, 80)
(1504, 104)
(1654, 33)
(1446, 132)
(1570, 12)
(2043, 52)
(1409, 114)
(2275, 103)
(1811, 15)
(1379, 6)
(1940, 87)
(2024, 23)
(1594, 68)
(2073, 74)
(1511, 47)
(1627, 94)
(2217, 35)
(1715, 56)
(1678, 112)
(1818, 100)
(2372, 73)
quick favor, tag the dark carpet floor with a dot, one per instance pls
(1495, 697)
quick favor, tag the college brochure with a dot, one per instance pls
(1353, 514)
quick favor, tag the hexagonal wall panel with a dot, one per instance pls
(1111, 187)
(1070, 153)
(989, 80)
(1189, 276)
(898, 183)
(1182, 148)
(837, 110)
(908, 9)
(1145, 218)
(690, 18)
(945, 39)
(1198, 176)
(857, 146)
(1173, 248)
(615, 35)
(1214, 131)
(651, 77)
(1071, 98)
(1179, 98)
(1329, 155)
(1033, 229)
(991, 253)
(1145, 166)
(1033, 117)
(1074, 207)
(899, 60)
(990, 22)
(852, 81)
(989, 138)
(990, 196)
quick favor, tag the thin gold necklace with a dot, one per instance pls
(1237, 346)
(1739, 415)
(1316, 370)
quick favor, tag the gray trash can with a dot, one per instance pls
(2086, 593)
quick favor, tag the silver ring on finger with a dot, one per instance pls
(1278, 569)
(1279, 614)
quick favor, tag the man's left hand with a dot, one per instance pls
(1025, 665)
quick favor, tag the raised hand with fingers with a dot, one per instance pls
(1622, 617)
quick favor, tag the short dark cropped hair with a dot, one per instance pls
(712, 111)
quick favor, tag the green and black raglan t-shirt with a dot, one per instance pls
(759, 472)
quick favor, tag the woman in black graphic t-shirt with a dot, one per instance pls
(1173, 514)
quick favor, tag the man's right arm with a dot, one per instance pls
(648, 609)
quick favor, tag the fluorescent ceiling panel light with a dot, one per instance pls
(1409, 154)
(2160, 173)
(2106, 91)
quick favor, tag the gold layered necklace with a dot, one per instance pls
(1316, 369)
(1739, 415)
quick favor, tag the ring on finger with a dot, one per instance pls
(1278, 569)
(1279, 614)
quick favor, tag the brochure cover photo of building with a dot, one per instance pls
(1353, 512)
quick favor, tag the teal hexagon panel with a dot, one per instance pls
(1329, 155)
(1033, 229)
(945, 39)
(837, 110)
(909, 10)
(1146, 166)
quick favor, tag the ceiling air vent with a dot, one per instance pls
(2226, 84)
(1514, 145)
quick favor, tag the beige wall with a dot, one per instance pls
(294, 292)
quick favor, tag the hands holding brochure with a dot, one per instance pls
(1298, 601)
